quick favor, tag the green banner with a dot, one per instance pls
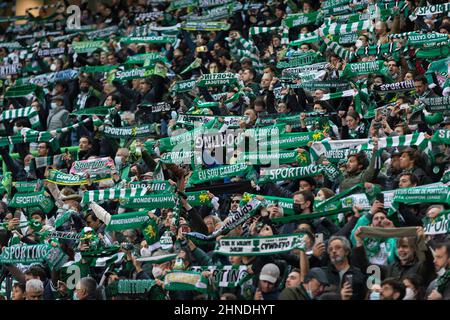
(149, 201)
(129, 220)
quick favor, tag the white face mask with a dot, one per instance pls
(157, 272)
(146, 252)
(75, 297)
(15, 130)
(53, 67)
(374, 296)
(53, 105)
(409, 294)
(118, 161)
(27, 168)
(358, 43)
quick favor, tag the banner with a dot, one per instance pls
(220, 173)
(24, 254)
(297, 61)
(111, 194)
(205, 26)
(407, 85)
(300, 19)
(158, 107)
(65, 179)
(183, 86)
(258, 246)
(426, 39)
(363, 68)
(433, 9)
(51, 52)
(422, 194)
(291, 173)
(292, 140)
(438, 225)
(148, 39)
(30, 200)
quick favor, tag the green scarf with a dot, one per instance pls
(98, 111)
(98, 69)
(183, 86)
(282, 157)
(180, 4)
(217, 80)
(132, 287)
(386, 48)
(291, 173)
(140, 73)
(286, 203)
(205, 26)
(426, 39)
(149, 201)
(87, 46)
(227, 276)
(185, 281)
(129, 220)
(32, 200)
(111, 194)
(181, 157)
(363, 68)
(437, 104)
(24, 254)
(293, 140)
(141, 131)
(156, 186)
(198, 198)
(297, 61)
(434, 52)
(149, 39)
(433, 9)
(66, 179)
(257, 246)
(300, 19)
(422, 194)
(437, 225)
(152, 57)
(441, 136)
(220, 173)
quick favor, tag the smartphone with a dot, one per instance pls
(201, 49)
(318, 237)
(349, 279)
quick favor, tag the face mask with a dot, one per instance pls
(157, 272)
(146, 252)
(179, 264)
(297, 208)
(53, 105)
(75, 297)
(27, 168)
(118, 161)
(84, 89)
(409, 294)
(310, 294)
(53, 67)
(15, 130)
(374, 296)
(358, 43)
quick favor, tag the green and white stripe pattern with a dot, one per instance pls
(28, 112)
(338, 95)
(111, 194)
(336, 28)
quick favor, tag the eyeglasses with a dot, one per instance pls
(235, 201)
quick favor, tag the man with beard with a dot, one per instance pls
(311, 288)
(439, 289)
(392, 289)
(358, 169)
(343, 277)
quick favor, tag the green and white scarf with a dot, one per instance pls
(66, 179)
(217, 80)
(226, 276)
(183, 86)
(31, 200)
(131, 287)
(220, 173)
(292, 140)
(185, 281)
(282, 157)
(141, 131)
(182, 157)
(205, 26)
(377, 50)
(83, 166)
(148, 39)
(437, 104)
(198, 198)
(335, 28)
(111, 194)
(297, 61)
(88, 46)
(291, 173)
(258, 246)
(286, 203)
(441, 136)
(300, 19)
(156, 186)
(24, 254)
(152, 57)
(258, 30)
(437, 225)
(363, 68)
(28, 112)
(426, 39)
(129, 220)
(149, 201)
(422, 194)
(339, 95)
(433, 9)
(180, 4)
(98, 69)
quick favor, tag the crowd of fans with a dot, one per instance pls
(102, 199)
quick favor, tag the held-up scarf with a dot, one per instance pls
(157, 107)
(83, 166)
(434, 52)
(426, 39)
(433, 9)
(185, 281)
(217, 80)
(280, 174)
(10, 69)
(292, 140)
(111, 194)
(51, 52)
(139, 73)
(141, 131)
(338, 95)
(257, 246)
(299, 19)
(437, 225)
(227, 276)
(220, 173)
(363, 68)
(28, 136)
(302, 40)
(30, 200)
(99, 111)
(61, 178)
(87, 46)
(423, 194)
(258, 30)
(180, 4)
(437, 104)
(386, 48)
(25, 254)
(132, 287)
(286, 203)
(205, 26)
(407, 85)
(281, 157)
(149, 201)
(183, 86)
(182, 157)
(129, 220)
(198, 198)
(385, 233)
(149, 39)
(441, 136)
(27, 112)
(142, 58)
(155, 186)
(335, 28)
(298, 61)
(98, 69)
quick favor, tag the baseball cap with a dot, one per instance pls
(270, 272)
(318, 274)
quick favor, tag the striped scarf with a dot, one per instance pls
(28, 112)
(111, 194)
(258, 30)
(338, 95)
(336, 28)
